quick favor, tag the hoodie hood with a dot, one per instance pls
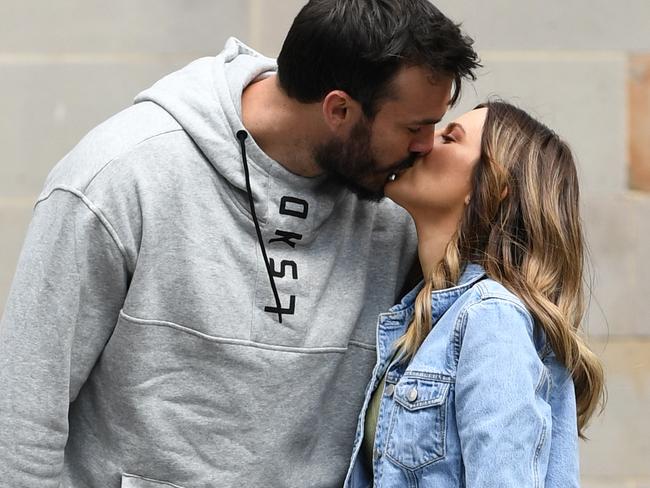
(205, 99)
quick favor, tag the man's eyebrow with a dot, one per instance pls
(426, 122)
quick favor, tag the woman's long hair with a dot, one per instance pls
(522, 225)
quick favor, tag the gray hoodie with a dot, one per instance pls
(141, 344)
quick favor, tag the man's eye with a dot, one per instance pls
(413, 130)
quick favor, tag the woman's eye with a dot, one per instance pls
(413, 130)
(447, 138)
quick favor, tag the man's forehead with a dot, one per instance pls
(421, 93)
(428, 121)
(425, 110)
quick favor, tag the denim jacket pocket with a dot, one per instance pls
(418, 426)
(135, 481)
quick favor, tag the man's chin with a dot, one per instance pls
(369, 192)
(369, 195)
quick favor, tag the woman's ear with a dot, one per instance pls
(468, 199)
(340, 111)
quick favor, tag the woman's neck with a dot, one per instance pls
(433, 238)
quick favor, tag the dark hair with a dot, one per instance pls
(358, 46)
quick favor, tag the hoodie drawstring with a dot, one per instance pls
(242, 135)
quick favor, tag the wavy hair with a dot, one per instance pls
(523, 226)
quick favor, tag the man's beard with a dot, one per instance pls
(352, 164)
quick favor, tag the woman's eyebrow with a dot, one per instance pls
(455, 125)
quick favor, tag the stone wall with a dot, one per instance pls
(581, 66)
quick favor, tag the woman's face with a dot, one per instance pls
(438, 185)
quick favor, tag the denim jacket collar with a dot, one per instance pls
(441, 300)
(394, 323)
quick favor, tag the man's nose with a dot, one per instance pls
(422, 144)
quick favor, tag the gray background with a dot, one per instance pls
(67, 65)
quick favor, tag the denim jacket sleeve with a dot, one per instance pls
(504, 420)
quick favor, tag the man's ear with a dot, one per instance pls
(340, 111)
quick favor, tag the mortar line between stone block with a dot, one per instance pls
(552, 55)
(32, 59)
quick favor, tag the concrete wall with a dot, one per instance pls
(67, 65)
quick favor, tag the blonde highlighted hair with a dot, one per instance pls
(523, 226)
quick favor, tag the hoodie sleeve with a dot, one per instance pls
(504, 421)
(65, 299)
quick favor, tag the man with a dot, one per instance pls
(195, 304)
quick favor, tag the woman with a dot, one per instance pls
(482, 379)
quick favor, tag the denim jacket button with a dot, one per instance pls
(390, 389)
(412, 395)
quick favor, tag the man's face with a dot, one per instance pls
(401, 130)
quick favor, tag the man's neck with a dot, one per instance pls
(286, 130)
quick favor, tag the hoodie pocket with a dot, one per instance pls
(135, 481)
(418, 423)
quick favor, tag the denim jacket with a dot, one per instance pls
(483, 403)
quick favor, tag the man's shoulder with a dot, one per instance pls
(110, 141)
